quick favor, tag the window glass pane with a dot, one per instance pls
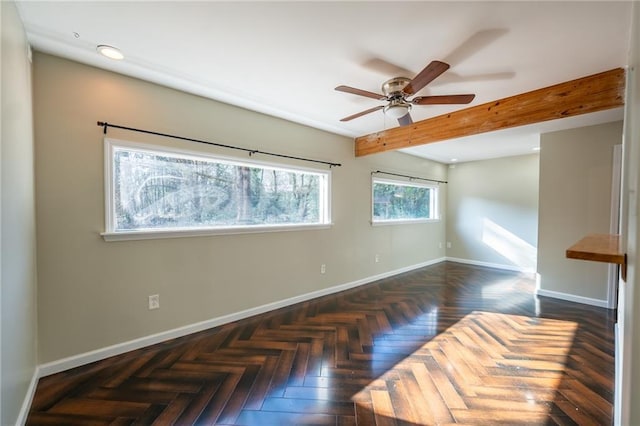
(163, 190)
(403, 201)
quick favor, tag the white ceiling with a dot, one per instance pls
(285, 58)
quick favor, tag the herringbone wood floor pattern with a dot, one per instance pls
(446, 344)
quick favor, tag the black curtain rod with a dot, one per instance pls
(106, 125)
(409, 177)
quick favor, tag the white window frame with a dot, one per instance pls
(434, 208)
(111, 234)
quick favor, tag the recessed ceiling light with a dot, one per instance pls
(453, 160)
(110, 52)
(537, 148)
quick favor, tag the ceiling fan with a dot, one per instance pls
(398, 90)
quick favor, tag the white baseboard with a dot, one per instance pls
(28, 398)
(492, 265)
(572, 298)
(120, 348)
(617, 359)
(540, 292)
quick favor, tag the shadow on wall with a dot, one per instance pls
(508, 245)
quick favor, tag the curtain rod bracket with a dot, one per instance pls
(104, 126)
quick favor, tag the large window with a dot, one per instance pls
(399, 201)
(157, 189)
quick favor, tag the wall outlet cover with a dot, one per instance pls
(154, 301)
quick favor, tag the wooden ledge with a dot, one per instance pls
(600, 248)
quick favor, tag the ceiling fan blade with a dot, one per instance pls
(360, 114)
(405, 120)
(426, 76)
(360, 92)
(444, 99)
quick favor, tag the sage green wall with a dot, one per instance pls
(17, 211)
(575, 200)
(94, 293)
(492, 211)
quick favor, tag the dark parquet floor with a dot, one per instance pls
(445, 344)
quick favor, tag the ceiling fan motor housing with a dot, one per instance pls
(393, 88)
(398, 105)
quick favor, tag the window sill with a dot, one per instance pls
(402, 222)
(182, 233)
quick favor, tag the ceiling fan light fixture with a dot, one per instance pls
(397, 110)
(110, 52)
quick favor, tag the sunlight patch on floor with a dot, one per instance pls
(498, 366)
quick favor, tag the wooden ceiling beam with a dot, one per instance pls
(582, 96)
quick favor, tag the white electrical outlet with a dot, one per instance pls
(440, 245)
(448, 244)
(154, 301)
(377, 258)
(323, 268)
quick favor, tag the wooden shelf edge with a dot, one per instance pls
(595, 257)
(600, 248)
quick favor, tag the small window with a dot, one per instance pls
(151, 188)
(399, 201)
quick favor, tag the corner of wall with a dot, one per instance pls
(18, 332)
